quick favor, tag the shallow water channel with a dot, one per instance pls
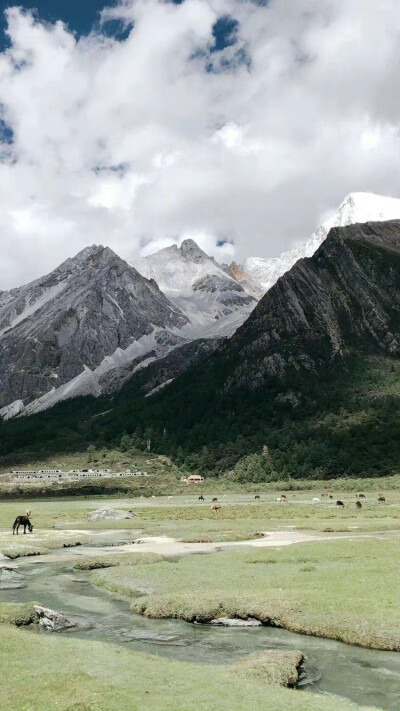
(366, 677)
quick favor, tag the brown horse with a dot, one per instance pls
(22, 521)
(359, 504)
(216, 508)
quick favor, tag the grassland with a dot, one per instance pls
(44, 673)
(341, 589)
(186, 519)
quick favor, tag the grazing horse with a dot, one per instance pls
(340, 504)
(330, 496)
(216, 508)
(382, 499)
(257, 497)
(201, 497)
(22, 521)
(359, 504)
(215, 499)
(282, 499)
(361, 496)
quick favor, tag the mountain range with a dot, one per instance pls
(88, 326)
(313, 373)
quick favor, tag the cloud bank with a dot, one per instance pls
(236, 122)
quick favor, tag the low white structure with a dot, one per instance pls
(193, 479)
(55, 475)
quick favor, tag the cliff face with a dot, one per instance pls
(345, 297)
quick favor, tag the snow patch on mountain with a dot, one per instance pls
(356, 207)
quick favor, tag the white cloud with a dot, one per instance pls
(141, 143)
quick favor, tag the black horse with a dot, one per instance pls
(22, 521)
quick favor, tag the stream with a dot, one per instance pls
(363, 676)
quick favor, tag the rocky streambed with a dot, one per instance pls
(364, 676)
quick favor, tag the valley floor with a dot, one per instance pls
(338, 580)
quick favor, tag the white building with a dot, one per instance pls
(72, 475)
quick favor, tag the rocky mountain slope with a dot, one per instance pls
(212, 299)
(344, 299)
(91, 323)
(347, 296)
(92, 313)
(152, 373)
(356, 207)
(313, 374)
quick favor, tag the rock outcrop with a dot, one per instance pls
(236, 622)
(106, 514)
(52, 620)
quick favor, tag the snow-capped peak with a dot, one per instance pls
(356, 207)
(177, 269)
(201, 288)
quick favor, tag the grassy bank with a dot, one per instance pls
(67, 674)
(116, 559)
(38, 543)
(342, 589)
(17, 614)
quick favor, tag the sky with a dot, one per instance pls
(239, 123)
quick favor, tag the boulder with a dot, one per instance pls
(51, 620)
(236, 622)
(106, 514)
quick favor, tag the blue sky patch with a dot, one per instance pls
(79, 15)
(6, 134)
(225, 33)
